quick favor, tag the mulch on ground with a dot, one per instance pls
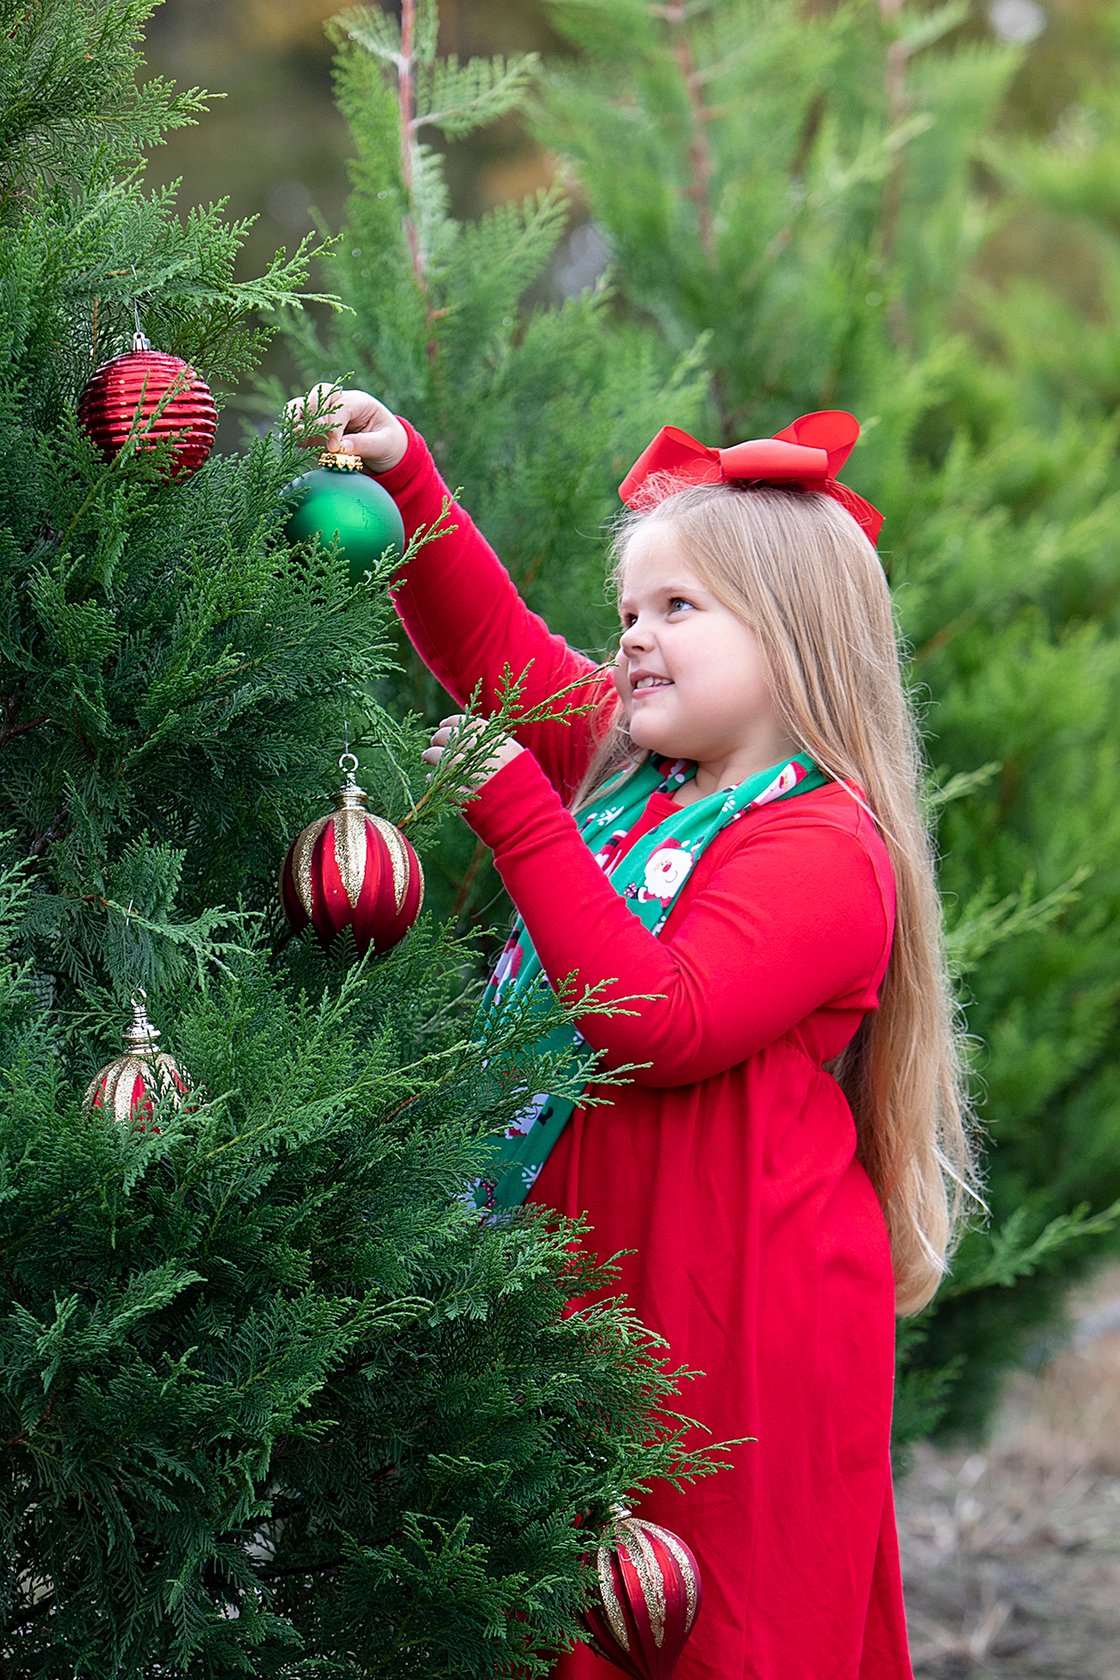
(1011, 1552)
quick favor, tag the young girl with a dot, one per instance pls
(749, 854)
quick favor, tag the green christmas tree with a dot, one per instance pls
(273, 1402)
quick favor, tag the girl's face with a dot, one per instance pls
(691, 675)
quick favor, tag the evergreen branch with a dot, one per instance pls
(470, 875)
(925, 30)
(406, 113)
(384, 724)
(372, 29)
(331, 1013)
(278, 1571)
(677, 14)
(61, 1209)
(222, 677)
(456, 771)
(902, 48)
(894, 87)
(13, 704)
(24, 1435)
(872, 163)
(44, 838)
(463, 97)
(73, 103)
(277, 287)
(958, 786)
(427, 31)
(196, 935)
(1013, 1255)
(15, 890)
(985, 924)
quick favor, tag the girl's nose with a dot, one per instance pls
(633, 637)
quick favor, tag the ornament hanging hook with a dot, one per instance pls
(138, 997)
(139, 340)
(346, 753)
(350, 793)
(140, 1034)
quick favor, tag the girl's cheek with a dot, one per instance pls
(618, 677)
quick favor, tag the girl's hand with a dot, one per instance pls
(351, 421)
(454, 734)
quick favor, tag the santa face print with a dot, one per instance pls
(692, 676)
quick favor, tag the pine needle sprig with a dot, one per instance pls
(458, 98)
(71, 107)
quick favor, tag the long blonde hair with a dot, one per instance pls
(798, 569)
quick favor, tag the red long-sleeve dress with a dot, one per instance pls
(728, 1165)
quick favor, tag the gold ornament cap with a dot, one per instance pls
(350, 797)
(339, 460)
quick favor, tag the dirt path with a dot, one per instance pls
(1012, 1553)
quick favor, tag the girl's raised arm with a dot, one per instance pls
(456, 600)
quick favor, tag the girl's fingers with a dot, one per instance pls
(352, 421)
(453, 735)
(331, 410)
(324, 406)
(441, 738)
(448, 727)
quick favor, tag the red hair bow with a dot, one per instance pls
(806, 456)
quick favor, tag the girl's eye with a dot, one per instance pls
(679, 601)
(627, 620)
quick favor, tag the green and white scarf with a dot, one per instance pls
(648, 878)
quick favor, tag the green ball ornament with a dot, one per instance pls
(336, 502)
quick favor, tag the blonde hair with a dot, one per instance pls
(799, 570)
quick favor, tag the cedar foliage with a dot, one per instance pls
(272, 1403)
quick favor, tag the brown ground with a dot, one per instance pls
(1012, 1553)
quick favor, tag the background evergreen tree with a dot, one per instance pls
(815, 191)
(534, 405)
(271, 1402)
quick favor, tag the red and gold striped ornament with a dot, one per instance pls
(649, 1598)
(128, 1088)
(352, 869)
(153, 394)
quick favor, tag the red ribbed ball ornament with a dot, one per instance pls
(352, 869)
(127, 1089)
(649, 1598)
(154, 395)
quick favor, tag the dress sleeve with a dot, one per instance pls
(467, 622)
(795, 917)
